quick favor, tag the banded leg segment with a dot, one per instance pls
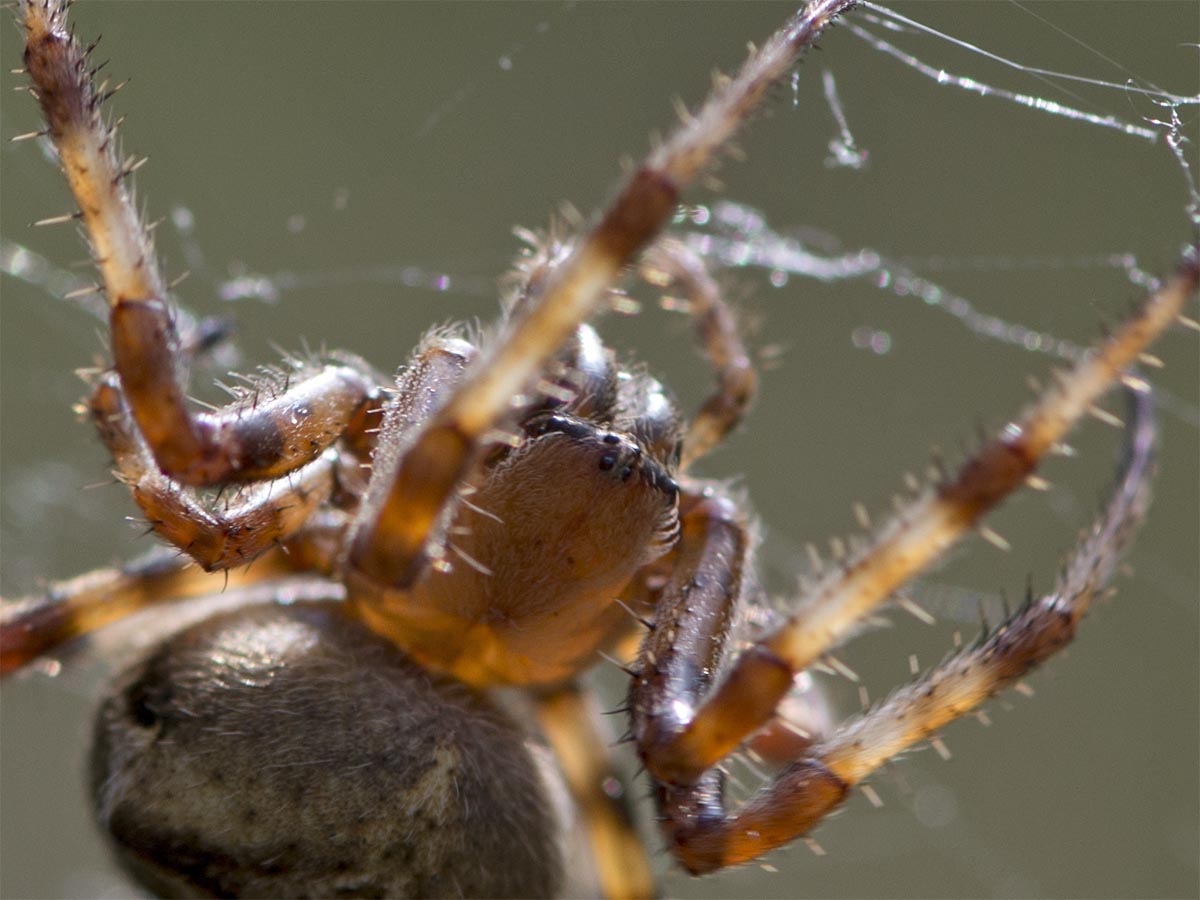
(259, 518)
(706, 837)
(1026, 639)
(242, 444)
(681, 722)
(943, 513)
(671, 263)
(569, 719)
(36, 625)
(447, 447)
(434, 372)
(258, 438)
(689, 741)
(86, 144)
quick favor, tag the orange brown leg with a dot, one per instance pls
(391, 551)
(680, 742)
(436, 369)
(670, 263)
(216, 535)
(570, 721)
(251, 442)
(38, 624)
(706, 836)
(678, 718)
(259, 438)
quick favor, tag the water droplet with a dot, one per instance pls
(183, 219)
(877, 341)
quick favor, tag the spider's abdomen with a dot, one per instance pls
(287, 751)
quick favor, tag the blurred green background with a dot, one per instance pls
(345, 143)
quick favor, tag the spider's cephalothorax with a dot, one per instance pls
(552, 526)
(464, 543)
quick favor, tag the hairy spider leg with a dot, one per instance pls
(215, 535)
(247, 442)
(283, 526)
(668, 263)
(436, 369)
(393, 551)
(706, 837)
(680, 742)
(570, 720)
(671, 263)
(38, 624)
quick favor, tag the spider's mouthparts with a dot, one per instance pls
(655, 475)
(622, 455)
(554, 423)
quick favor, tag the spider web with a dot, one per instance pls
(1041, 223)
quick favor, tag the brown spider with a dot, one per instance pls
(252, 570)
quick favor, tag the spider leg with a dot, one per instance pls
(678, 722)
(1027, 638)
(680, 742)
(670, 262)
(243, 444)
(707, 837)
(944, 512)
(35, 625)
(391, 551)
(435, 370)
(258, 518)
(570, 721)
(582, 376)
